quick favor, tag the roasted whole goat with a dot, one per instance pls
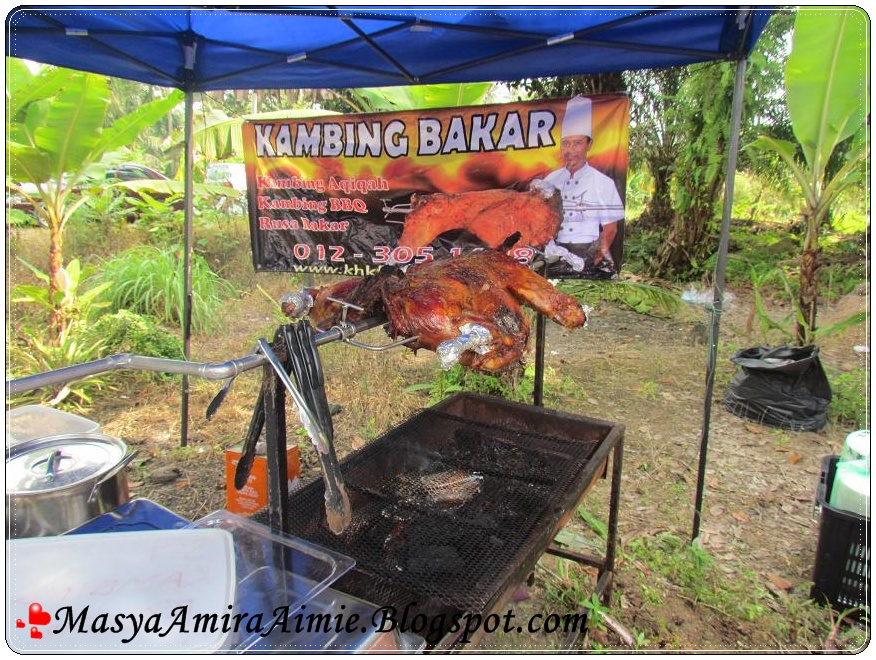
(466, 308)
(437, 301)
(491, 215)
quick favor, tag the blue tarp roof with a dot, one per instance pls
(324, 47)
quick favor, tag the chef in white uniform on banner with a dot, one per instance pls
(592, 206)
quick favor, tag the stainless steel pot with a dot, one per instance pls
(56, 483)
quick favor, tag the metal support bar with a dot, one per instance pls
(382, 347)
(538, 384)
(604, 564)
(188, 234)
(571, 555)
(718, 301)
(275, 446)
(208, 370)
(347, 330)
(613, 515)
(540, 331)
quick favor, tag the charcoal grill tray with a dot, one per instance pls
(532, 466)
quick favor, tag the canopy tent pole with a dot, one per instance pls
(188, 235)
(718, 297)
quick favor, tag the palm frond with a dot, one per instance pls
(643, 297)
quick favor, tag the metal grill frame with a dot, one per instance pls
(603, 440)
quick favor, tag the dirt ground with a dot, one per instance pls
(642, 372)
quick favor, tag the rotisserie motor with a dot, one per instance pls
(491, 215)
(466, 308)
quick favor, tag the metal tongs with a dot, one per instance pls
(316, 417)
(302, 360)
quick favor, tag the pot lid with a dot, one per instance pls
(60, 461)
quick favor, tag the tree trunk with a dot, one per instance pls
(692, 238)
(807, 299)
(658, 212)
(687, 244)
(57, 321)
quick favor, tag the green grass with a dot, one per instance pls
(695, 573)
(149, 280)
(641, 297)
(649, 389)
(793, 618)
(851, 399)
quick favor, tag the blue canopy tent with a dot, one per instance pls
(202, 49)
(305, 47)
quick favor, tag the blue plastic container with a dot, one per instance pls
(135, 515)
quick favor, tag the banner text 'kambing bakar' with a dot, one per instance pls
(348, 194)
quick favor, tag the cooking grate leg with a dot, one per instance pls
(605, 578)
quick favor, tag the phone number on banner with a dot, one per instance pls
(384, 254)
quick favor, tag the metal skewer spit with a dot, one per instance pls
(298, 345)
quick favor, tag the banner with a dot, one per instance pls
(348, 194)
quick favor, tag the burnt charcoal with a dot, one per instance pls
(431, 559)
(480, 452)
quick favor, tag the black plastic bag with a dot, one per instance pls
(785, 387)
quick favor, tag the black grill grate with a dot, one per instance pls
(446, 506)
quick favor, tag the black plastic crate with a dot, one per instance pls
(842, 559)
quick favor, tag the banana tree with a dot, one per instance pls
(218, 136)
(827, 90)
(54, 132)
(419, 97)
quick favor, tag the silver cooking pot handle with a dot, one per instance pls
(52, 465)
(122, 464)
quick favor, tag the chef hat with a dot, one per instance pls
(578, 117)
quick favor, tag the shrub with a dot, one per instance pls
(126, 332)
(516, 385)
(640, 246)
(29, 353)
(149, 281)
